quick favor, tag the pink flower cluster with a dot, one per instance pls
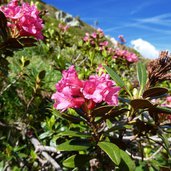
(121, 39)
(96, 40)
(75, 93)
(167, 104)
(125, 54)
(63, 27)
(23, 19)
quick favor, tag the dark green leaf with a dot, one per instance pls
(142, 74)
(26, 63)
(111, 150)
(130, 165)
(164, 110)
(71, 118)
(27, 42)
(74, 145)
(141, 104)
(3, 26)
(116, 112)
(11, 43)
(74, 134)
(76, 161)
(3, 67)
(101, 111)
(115, 76)
(112, 114)
(42, 74)
(114, 128)
(153, 92)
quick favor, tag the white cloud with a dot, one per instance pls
(114, 41)
(145, 48)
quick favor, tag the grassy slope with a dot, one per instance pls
(76, 31)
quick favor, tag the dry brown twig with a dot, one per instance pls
(159, 69)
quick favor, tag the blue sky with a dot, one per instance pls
(142, 22)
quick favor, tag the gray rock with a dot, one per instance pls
(67, 18)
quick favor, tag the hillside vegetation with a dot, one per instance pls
(72, 100)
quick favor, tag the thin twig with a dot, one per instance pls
(154, 138)
(145, 158)
(82, 61)
(36, 145)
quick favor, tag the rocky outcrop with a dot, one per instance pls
(67, 18)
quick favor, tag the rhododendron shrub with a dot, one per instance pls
(102, 121)
(23, 20)
(103, 127)
(97, 41)
(125, 54)
(75, 93)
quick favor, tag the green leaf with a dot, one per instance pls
(11, 43)
(76, 161)
(1, 165)
(33, 155)
(111, 150)
(42, 74)
(153, 92)
(74, 134)
(128, 163)
(115, 76)
(74, 145)
(115, 113)
(70, 162)
(164, 110)
(165, 141)
(27, 42)
(141, 74)
(112, 114)
(101, 111)
(141, 104)
(27, 62)
(45, 135)
(73, 119)
(3, 26)
(140, 168)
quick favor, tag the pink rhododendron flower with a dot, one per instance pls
(100, 88)
(86, 38)
(91, 91)
(94, 35)
(110, 95)
(100, 32)
(64, 101)
(104, 44)
(63, 27)
(168, 99)
(75, 93)
(131, 57)
(125, 54)
(71, 81)
(122, 39)
(68, 93)
(166, 104)
(23, 19)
